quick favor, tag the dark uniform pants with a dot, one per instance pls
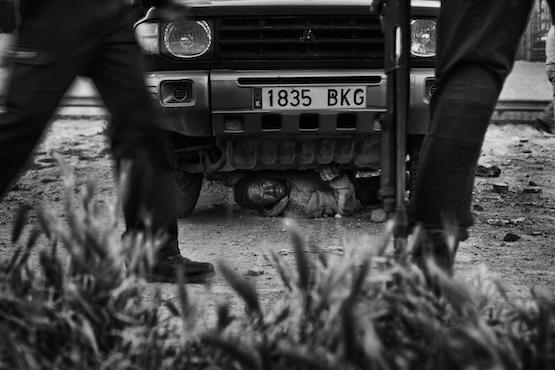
(477, 43)
(60, 39)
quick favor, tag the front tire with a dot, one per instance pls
(367, 190)
(188, 192)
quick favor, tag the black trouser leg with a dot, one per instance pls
(450, 152)
(35, 88)
(479, 32)
(135, 138)
(45, 61)
(475, 55)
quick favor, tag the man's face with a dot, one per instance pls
(265, 192)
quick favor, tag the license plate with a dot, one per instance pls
(310, 98)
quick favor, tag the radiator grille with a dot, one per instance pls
(308, 38)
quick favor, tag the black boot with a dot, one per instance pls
(167, 269)
(438, 245)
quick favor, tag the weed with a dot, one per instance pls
(72, 297)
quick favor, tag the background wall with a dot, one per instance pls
(532, 46)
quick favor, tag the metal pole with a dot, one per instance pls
(396, 27)
(402, 45)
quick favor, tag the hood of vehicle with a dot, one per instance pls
(288, 7)
(197, 3)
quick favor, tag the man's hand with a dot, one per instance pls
(329, 173)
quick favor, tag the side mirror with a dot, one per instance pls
(7, 16)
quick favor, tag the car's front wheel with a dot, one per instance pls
(188, 191)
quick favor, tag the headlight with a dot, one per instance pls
(188, 39)
(148, 37)
(423, 37)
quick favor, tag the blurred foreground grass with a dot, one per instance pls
(80, 305)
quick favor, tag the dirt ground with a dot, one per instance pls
(221, 231)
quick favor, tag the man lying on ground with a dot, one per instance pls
(306, 194)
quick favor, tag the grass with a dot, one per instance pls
(72, 297)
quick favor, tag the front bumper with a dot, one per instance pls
(220, 103)
(221, 106)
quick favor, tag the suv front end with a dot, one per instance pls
(249, 85)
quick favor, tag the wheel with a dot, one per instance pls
(188, 191)
(367, 190)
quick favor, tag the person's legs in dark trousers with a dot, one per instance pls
(477, 44)
(58, 40)
(39, 75)
(33, 95)
(135, 139)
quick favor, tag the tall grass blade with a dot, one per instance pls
(243, 288)
(19, 222)
(13, 260)
(16, 354)
(53, 271)
(303, 359)
(31, 242)
(183, 296)
(283, 272)
(350, 345)
(303, 265)
(244, 355)
(359, 279)
(224, 317)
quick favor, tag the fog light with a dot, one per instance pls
(180, 93)
(176, 92)
(233, 124)
(377, 126)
